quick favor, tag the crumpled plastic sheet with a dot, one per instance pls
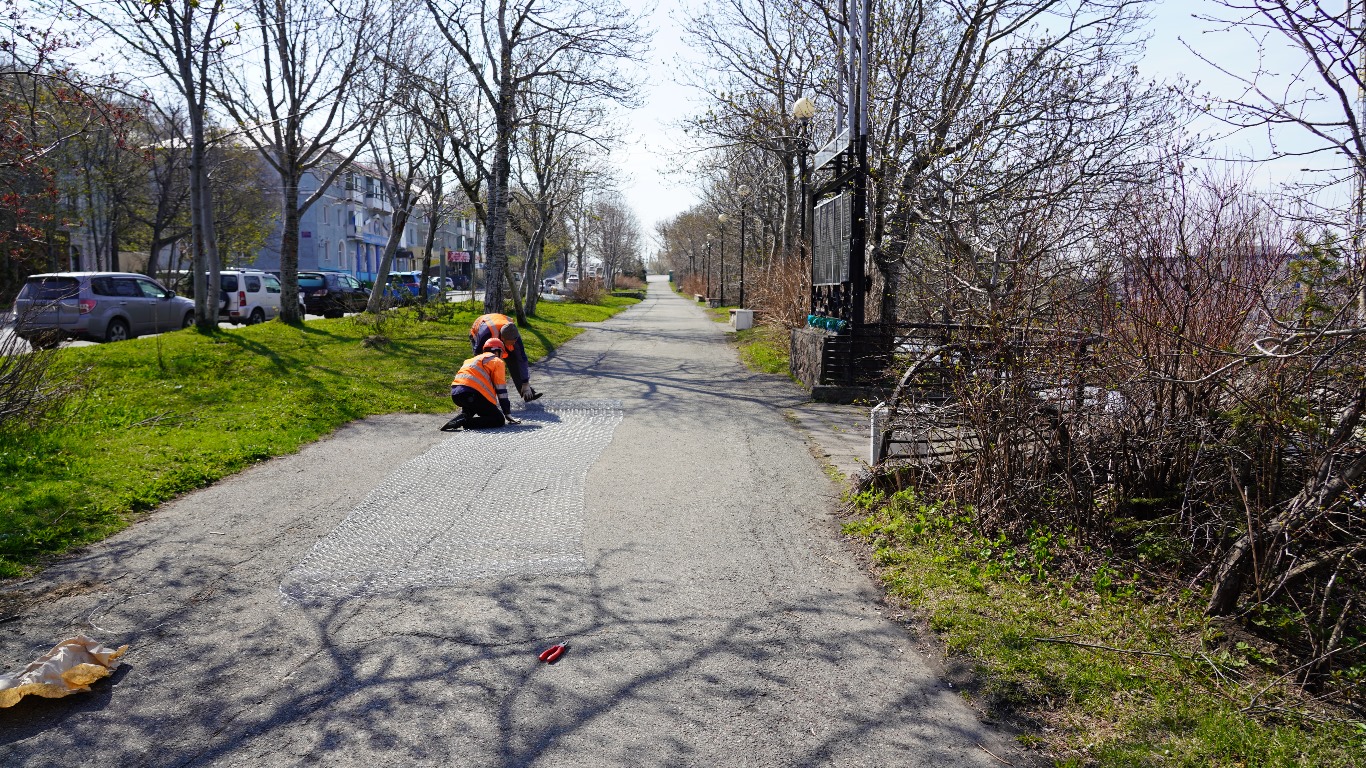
(68, 668)
(481, 504)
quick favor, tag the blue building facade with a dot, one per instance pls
(347, 228)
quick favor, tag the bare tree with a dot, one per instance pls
(162, 208)
(178, 39)
(296, 85)
(1314, 112)
(401, 157)
(617, 240)
(565, 135)
(509, 47)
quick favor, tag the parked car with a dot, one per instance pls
(549, 285)
(571, 283)
(436, 283)
(100, 306)
(404, 287)
(332, 294)
(248, 296)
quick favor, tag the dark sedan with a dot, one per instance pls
(331, 294)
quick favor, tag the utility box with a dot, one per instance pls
(742, 319)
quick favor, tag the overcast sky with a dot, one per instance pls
(652, 142)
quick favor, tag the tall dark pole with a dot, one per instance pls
(742, 253)
(706, 266)
(723, 266)
(805, 177)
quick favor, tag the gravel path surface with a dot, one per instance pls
(713, 616)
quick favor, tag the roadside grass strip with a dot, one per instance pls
(1098, 669)
(161, 416)
(443, 519)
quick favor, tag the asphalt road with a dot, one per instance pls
(719, 620)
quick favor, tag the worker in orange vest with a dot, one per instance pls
(501, 327)
(481, 391)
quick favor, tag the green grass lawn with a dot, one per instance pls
(164, 415)
(766, 348)
(1098, 672)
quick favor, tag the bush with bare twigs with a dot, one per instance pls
(1194, 401)
(589, 291)
(31, 387)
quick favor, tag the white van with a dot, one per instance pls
(248, 296)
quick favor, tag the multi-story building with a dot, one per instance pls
(347, 228)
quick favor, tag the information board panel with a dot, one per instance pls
(830, 253)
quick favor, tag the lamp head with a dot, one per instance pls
(744, 190)
(722, 219)
(803, 110)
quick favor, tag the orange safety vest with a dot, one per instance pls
(496, 324)
(485, 373)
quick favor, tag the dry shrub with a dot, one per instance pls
(1194, 403)
(782, 294)
(589, 291)
(692, 285)
(627, 283)
(31, 387)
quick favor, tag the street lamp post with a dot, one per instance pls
(706, 265)
(722, 219)
(744, 193)
(802, 111)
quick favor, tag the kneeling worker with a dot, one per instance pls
(481, 391)
(501, 327)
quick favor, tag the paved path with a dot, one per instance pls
(714, 618)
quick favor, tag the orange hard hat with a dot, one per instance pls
(496, 346)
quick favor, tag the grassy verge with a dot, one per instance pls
(168, 414)
(1099, 672)
(765, 348)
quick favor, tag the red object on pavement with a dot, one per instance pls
(554, 652)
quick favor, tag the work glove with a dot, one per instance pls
(528, 394)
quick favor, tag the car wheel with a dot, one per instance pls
(188, 321)
(258, 316)
(116, 331)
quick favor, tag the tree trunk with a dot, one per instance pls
(289, 245)
(386, 260)
(496, 242)
(516, 297)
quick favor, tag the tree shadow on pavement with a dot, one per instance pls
(449, 675)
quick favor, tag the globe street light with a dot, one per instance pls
(803, 110)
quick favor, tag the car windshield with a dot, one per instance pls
(309, 282)
(50, 288)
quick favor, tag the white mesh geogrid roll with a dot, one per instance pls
(483, 503)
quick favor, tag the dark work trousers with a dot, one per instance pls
(479, 413)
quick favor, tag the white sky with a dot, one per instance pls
(652, 141)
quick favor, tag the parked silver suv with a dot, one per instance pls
(101, 306)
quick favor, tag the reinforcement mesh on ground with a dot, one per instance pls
(479, 504)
